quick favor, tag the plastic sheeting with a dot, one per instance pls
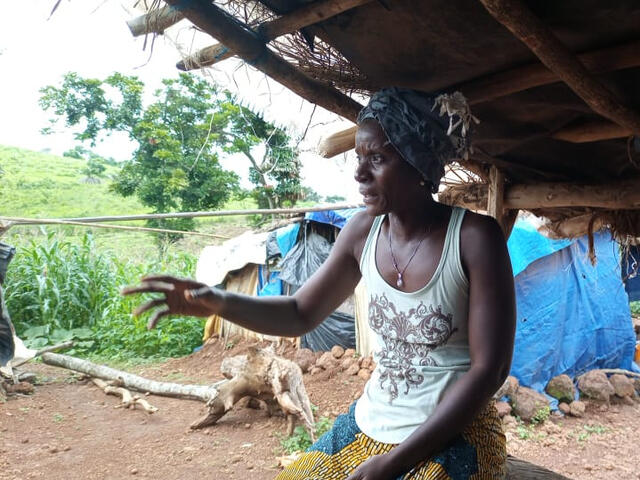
(572, 316)
(337, 218)
(304, 258)
(526, 245)
(338, 329)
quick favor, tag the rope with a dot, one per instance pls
(12, 221)
(149, 216)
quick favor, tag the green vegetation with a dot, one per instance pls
(582, 434)
(175, 166)
(300, 440)
(635, 308)
(57, 291)
(541, 415)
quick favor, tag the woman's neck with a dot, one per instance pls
(412, 221)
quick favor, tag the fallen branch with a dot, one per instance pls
(202, 393)
(53, 348)
(128, 400)
(620, 371)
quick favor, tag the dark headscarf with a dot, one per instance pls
(428, 131)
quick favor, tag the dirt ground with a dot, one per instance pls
(69, 429)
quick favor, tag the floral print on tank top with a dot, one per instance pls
(408, 337)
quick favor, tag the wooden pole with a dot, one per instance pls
(215, 213)
(519, 79)
(517, 17)
(574, 227)
(249, 47)
(495, 195)
(308, 15)
(623, 195)
(156, 21)
(291, 22)
(591, 132)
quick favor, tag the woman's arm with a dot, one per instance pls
(291, 316)
(491, 333)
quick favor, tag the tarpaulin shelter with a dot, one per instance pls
(572, 316)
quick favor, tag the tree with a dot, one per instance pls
(174, 167)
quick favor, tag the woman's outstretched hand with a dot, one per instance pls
(180, 297)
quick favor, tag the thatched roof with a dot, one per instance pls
(568, 136)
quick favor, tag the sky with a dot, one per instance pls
(91, 37)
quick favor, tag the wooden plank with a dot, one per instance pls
(289, 23)
(249, 47)
(156, 21)
(529, 29)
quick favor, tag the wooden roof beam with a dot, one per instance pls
(156, 21)
(249, 47)
(623, 195)
(519, 79)
(529, 29)
(289, 23)
(591, 132)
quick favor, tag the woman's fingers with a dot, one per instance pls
(149, 305)
(149, 287)
(153, 321)
(161, 278)
(197, 293)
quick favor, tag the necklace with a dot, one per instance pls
(400, 281)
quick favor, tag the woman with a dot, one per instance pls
(441, 305)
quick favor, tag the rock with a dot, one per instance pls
(595, 385)
(372, 367)
(364, 373)
(350, 352)
(561, 388)
(353, 369)
(53, 449)
(628, 400)
(577, 408)
(564, 408)
(133, 471)
(305, 359)
(327, 361)
(366, 362)
(315, 370)
(551, 428)
(337, 351)
(509, 420)
(347, 362)
(636, 384)
(622, 386)
(527, 403)
(508, 388)
(503, 409)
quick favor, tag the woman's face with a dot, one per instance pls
(386, 181)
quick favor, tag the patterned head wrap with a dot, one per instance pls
(416, 125)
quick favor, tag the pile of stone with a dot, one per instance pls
(594, 386)
(337, 360)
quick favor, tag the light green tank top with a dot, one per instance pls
(421, 342)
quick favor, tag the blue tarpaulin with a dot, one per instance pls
(337, 218)
(572, 316)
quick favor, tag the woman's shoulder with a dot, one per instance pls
(355, 232)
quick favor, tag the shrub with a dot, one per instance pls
(59, 291)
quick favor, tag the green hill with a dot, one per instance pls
(41, 185)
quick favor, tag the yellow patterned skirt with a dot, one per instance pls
(479, 453)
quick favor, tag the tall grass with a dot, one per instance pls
(57, 290)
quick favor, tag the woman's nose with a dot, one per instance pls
(360, 174)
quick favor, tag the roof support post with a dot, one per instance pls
(529, 29)
(249, 47)
(156, 21)
(495, 201)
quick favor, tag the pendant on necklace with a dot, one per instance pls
(399, 282)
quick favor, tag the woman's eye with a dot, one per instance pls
(376, 159)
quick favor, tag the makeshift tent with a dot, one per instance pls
(572, 316)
